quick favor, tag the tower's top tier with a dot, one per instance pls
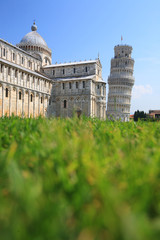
(122, 51)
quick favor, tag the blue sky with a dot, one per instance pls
(79, 29)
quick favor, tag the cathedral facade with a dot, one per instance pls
(30, 85)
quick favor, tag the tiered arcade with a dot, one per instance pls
(120, 83)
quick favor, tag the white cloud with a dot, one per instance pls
(140, 90)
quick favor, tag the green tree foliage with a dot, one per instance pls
(139, 115)
(79, 179)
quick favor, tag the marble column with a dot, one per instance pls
(34, 104)
(3, 87)
(28, 103)
(10, 98)
(43, 104)
(17, 91)
(39, 100)
(23, 92)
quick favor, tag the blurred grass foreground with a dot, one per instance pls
(79, 179)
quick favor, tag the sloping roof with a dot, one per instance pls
(24, 69)
(71, 64)
(75, 78)
(93, 77)
(154, 111)
(19, 49)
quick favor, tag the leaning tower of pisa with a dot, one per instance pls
(120, 83)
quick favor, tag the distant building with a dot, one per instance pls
(131, 117)
(154, 114)
(120, 83)
(30, 85)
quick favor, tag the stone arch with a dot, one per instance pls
(46, 61)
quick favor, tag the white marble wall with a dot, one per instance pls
(120, 82)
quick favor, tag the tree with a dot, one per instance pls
(139, 115)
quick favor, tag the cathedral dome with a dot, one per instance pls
(33, 39)
(35, 45)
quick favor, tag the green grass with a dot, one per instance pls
(72, 179)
